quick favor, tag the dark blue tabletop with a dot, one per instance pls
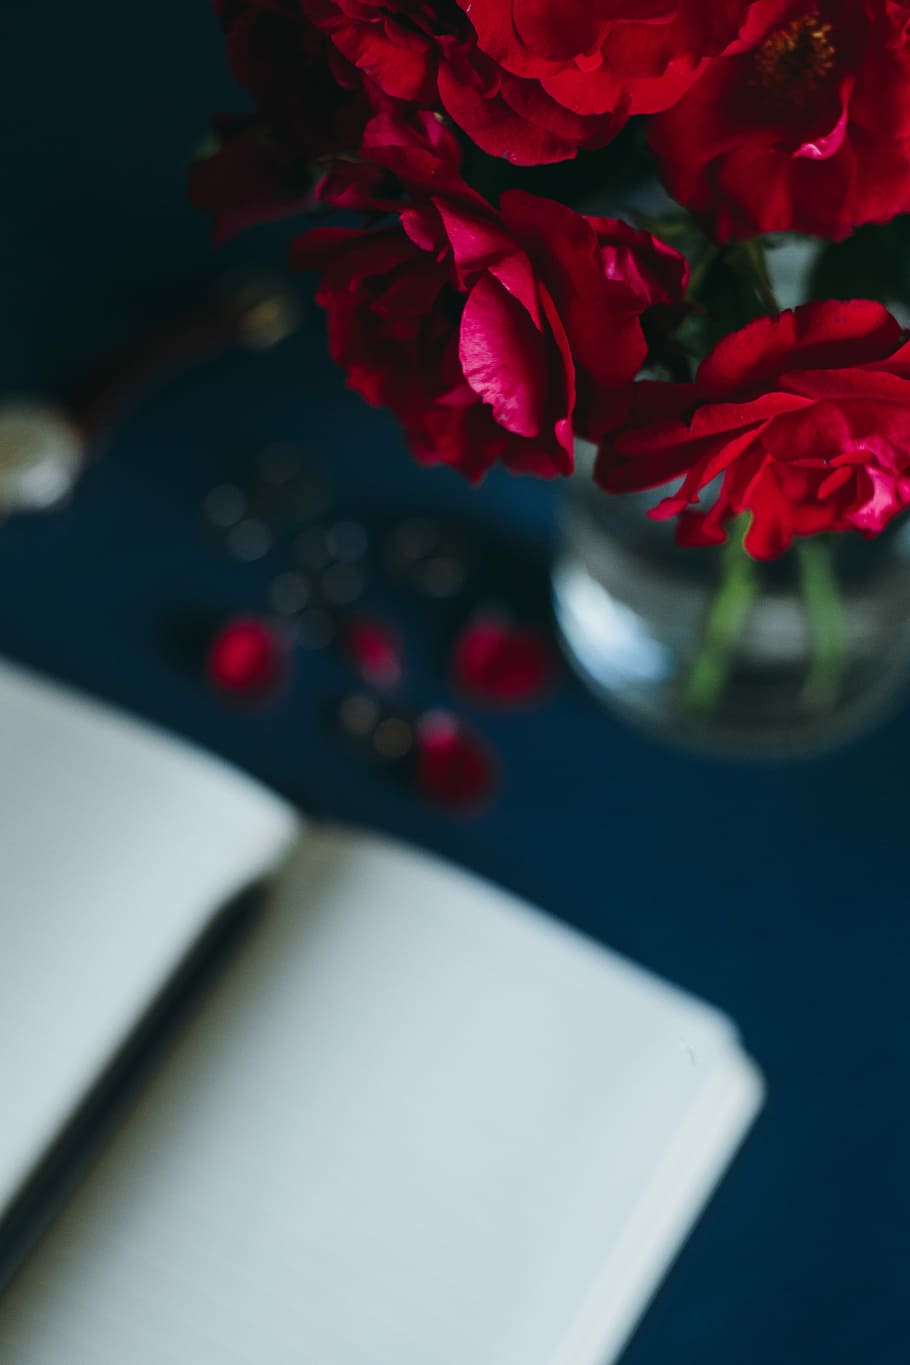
(779, 892)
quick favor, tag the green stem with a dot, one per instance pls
(755, 252)
(749, 262)
(825, 613)
(727, 614)
(701, 269)
(739, 583)
(669, 228)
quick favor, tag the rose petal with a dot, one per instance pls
(502, 663)
(454, 768)
(247, 659)
(375, 650)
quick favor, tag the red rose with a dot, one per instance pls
(305, 92)
(634, 56)
(401, 151)
(425, 52)
(804, 419)
(807, 132)
(492, 336)
(251, 177)
(310, 103)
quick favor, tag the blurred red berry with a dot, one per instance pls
(454, 767)
(499, 662)
(375, 650)
(248, 659)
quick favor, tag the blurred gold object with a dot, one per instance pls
(42, 452)
(264, 309)
(44, 446)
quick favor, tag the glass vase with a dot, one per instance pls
(738, 657)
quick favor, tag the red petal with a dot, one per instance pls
(247, 659)
(496, 661)
(375, 651)
(454, 768)
(504, 358)
(814, 337)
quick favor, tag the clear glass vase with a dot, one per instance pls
(805, 652)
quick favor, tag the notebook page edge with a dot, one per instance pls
(692, 1170)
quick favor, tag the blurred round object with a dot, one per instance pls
(41, 456)
(315, 628)
(224, 506)
(375, 650)
(428, 556)
(289, 593)
(288, 487)
(440, 576)
(376, 732)
(341, 584)
(264, 310)
(248, 659)
(410, 541)
(502, 664)
(393, 738)
(249, 540)
(454, 769)
(347, 541)
(358, 715)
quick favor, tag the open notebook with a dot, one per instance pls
(411, 1120)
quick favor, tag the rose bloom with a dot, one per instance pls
(634, 56)
(803, 421)
(305, 91)
(402, 151)
(425, 53)
(250, 177)
(493, 336)
(310, 103)
(807, 132)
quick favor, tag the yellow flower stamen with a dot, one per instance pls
(793, 62)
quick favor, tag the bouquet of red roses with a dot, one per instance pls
(500, 324)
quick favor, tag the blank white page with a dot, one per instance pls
(117, 845)
(415, 1123)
